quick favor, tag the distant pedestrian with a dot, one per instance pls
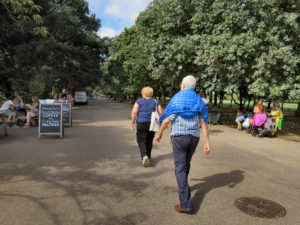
(141, 115)
(185, 111)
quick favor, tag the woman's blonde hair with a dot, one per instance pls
(147, 91)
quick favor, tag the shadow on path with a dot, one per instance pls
(230, 179)
(156, 160)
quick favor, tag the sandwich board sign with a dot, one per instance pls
(67, 114)
(51, 119)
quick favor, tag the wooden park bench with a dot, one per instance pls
(3, 123)
(213, 118)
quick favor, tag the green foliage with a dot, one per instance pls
(37, 86)
(2, 98)
(245, 48)
(67, 54)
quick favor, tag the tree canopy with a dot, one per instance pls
(48, 45)
(247, 49)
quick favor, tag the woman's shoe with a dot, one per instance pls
(146, 161)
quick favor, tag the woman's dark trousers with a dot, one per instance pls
(144, 139)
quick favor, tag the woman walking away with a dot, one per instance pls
(33, 110)
(141, 115)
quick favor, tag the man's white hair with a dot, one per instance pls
(189, 81)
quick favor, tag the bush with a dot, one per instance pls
(2, 98)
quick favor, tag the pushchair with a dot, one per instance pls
(270, 127)
(265, 130)
(248, 123)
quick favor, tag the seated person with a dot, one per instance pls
(63, 95)
(69, 97)
(278, 116)
(33, 110)
(54, 95)
(260, 102)
(7, 109)
(259, 119)
(20, 107)
(239, 119)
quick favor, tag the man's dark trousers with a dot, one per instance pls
(183, 149)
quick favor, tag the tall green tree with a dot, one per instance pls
(165, 26)
(70, 56)
(246, 49)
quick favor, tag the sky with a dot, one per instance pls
(115, 15)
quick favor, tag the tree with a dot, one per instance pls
(246, 49)
(70, 56)
(165, 27)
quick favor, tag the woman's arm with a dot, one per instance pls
(34, 105)
(160, 110)
(134, 113)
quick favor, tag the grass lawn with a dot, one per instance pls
(286, 106)
(290, 129)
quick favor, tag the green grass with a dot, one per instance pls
(289, 106)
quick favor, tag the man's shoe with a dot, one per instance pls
(180, 209)
(146, 161)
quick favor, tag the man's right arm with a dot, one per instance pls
(164, 125)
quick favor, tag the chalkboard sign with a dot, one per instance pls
(67, 114)
(51, 119)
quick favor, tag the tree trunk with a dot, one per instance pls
(216, 98)
(254, 101)
(241, 102)
(248, 104)
(222, 94)
(297, 113)
(163, 95)
(269, 103)
(282, 105)
(210, 98)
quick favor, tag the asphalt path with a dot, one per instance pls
(94, 175)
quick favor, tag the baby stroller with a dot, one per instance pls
(270, 127)
(266, 130)
(247, 123)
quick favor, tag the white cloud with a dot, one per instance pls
(126, 10)
(107, 32)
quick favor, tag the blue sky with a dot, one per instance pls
(115, 15)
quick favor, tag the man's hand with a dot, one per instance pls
(163, 126)
(158, 137)
(206, 148)
(133, 126)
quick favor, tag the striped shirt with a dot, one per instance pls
(181, 126)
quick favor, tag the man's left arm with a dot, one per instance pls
(206, 136)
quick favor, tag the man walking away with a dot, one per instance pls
(185, 111)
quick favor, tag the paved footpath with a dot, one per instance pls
(94, 175)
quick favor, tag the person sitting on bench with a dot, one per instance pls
(7, 109)
(239, 119)
(33, 110)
